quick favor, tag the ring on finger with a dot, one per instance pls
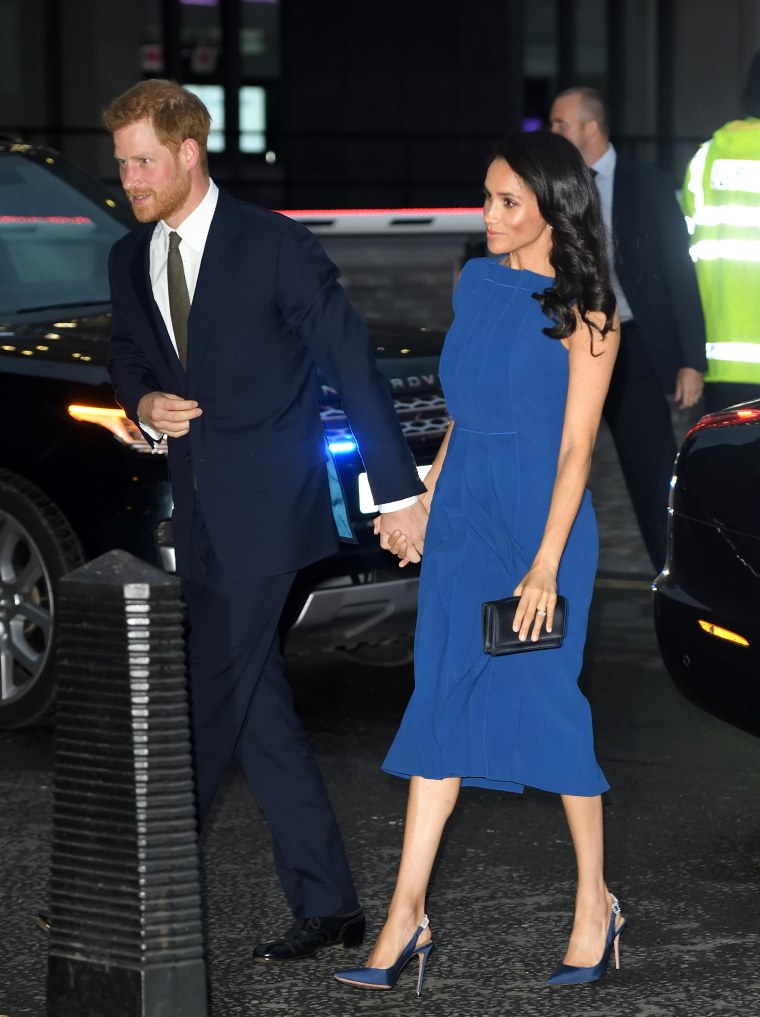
(541, 613)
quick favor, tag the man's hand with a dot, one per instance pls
(689, 386)
(406, 528)
(169, 414)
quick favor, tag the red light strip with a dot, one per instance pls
(379, 211)
(58, 220)
(725, 418)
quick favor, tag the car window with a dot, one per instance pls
(54, 239)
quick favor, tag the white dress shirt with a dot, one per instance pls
(604, 169)
(194, 232)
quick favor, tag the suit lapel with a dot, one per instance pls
(139, 271)
(621, 216)
(219, 254)
(616, 188)
(622, 210)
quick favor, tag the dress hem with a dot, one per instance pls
(512, 786)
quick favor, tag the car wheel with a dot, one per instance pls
(37, 547)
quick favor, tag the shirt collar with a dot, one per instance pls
(605, 166)
(194, 229)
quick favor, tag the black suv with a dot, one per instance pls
(77, 478)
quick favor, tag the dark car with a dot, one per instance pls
(707, 598)
(77, 478)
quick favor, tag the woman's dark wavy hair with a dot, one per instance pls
(568, 200)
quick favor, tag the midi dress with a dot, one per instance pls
(509, 721)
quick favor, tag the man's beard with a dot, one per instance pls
(165, 202)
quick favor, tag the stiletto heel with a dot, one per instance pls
(566, 974)
(386, 978)
(423, 953)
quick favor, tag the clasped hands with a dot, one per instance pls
(403, 532)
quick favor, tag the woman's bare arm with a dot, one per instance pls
(589, 380)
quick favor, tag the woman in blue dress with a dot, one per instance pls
(525, 369)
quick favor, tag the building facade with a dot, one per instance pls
(347, 103)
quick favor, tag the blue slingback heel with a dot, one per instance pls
(386, 978)
(566, 974)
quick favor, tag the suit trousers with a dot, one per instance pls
(242, 707)
(638, 414)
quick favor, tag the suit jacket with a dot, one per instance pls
(267, 312)
(655, 269)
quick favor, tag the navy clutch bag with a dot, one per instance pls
(498, 637)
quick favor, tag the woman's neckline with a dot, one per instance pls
(527, 271)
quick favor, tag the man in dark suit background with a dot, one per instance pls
(222, 313)
(662, 348)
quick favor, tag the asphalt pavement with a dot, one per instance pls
(683, 831)
(683, 846)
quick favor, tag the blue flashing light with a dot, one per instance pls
(342, 447)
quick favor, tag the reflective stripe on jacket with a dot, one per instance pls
(721, 201)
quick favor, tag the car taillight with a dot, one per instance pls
(727, 418)
(721, 633)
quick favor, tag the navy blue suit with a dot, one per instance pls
(251, 497)
(651, 248)
(656, 271)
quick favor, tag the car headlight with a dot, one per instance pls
(118, 423)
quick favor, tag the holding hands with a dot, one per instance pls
(403, 532)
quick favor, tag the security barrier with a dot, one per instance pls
(126, 936)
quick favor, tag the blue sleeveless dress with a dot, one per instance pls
(499, 722)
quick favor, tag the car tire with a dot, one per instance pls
(37, 547)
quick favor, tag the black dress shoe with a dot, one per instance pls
(307, 935)
(42, 921)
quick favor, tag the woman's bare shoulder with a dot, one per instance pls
(590, 334)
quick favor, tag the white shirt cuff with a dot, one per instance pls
(396, 506)
(155, 435)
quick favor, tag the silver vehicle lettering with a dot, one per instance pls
(413, 381)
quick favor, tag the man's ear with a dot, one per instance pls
(189, 153)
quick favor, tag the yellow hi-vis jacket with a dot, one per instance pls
(721, 200)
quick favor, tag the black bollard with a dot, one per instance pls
(126, 936)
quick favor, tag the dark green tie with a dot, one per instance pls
(179, 300)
